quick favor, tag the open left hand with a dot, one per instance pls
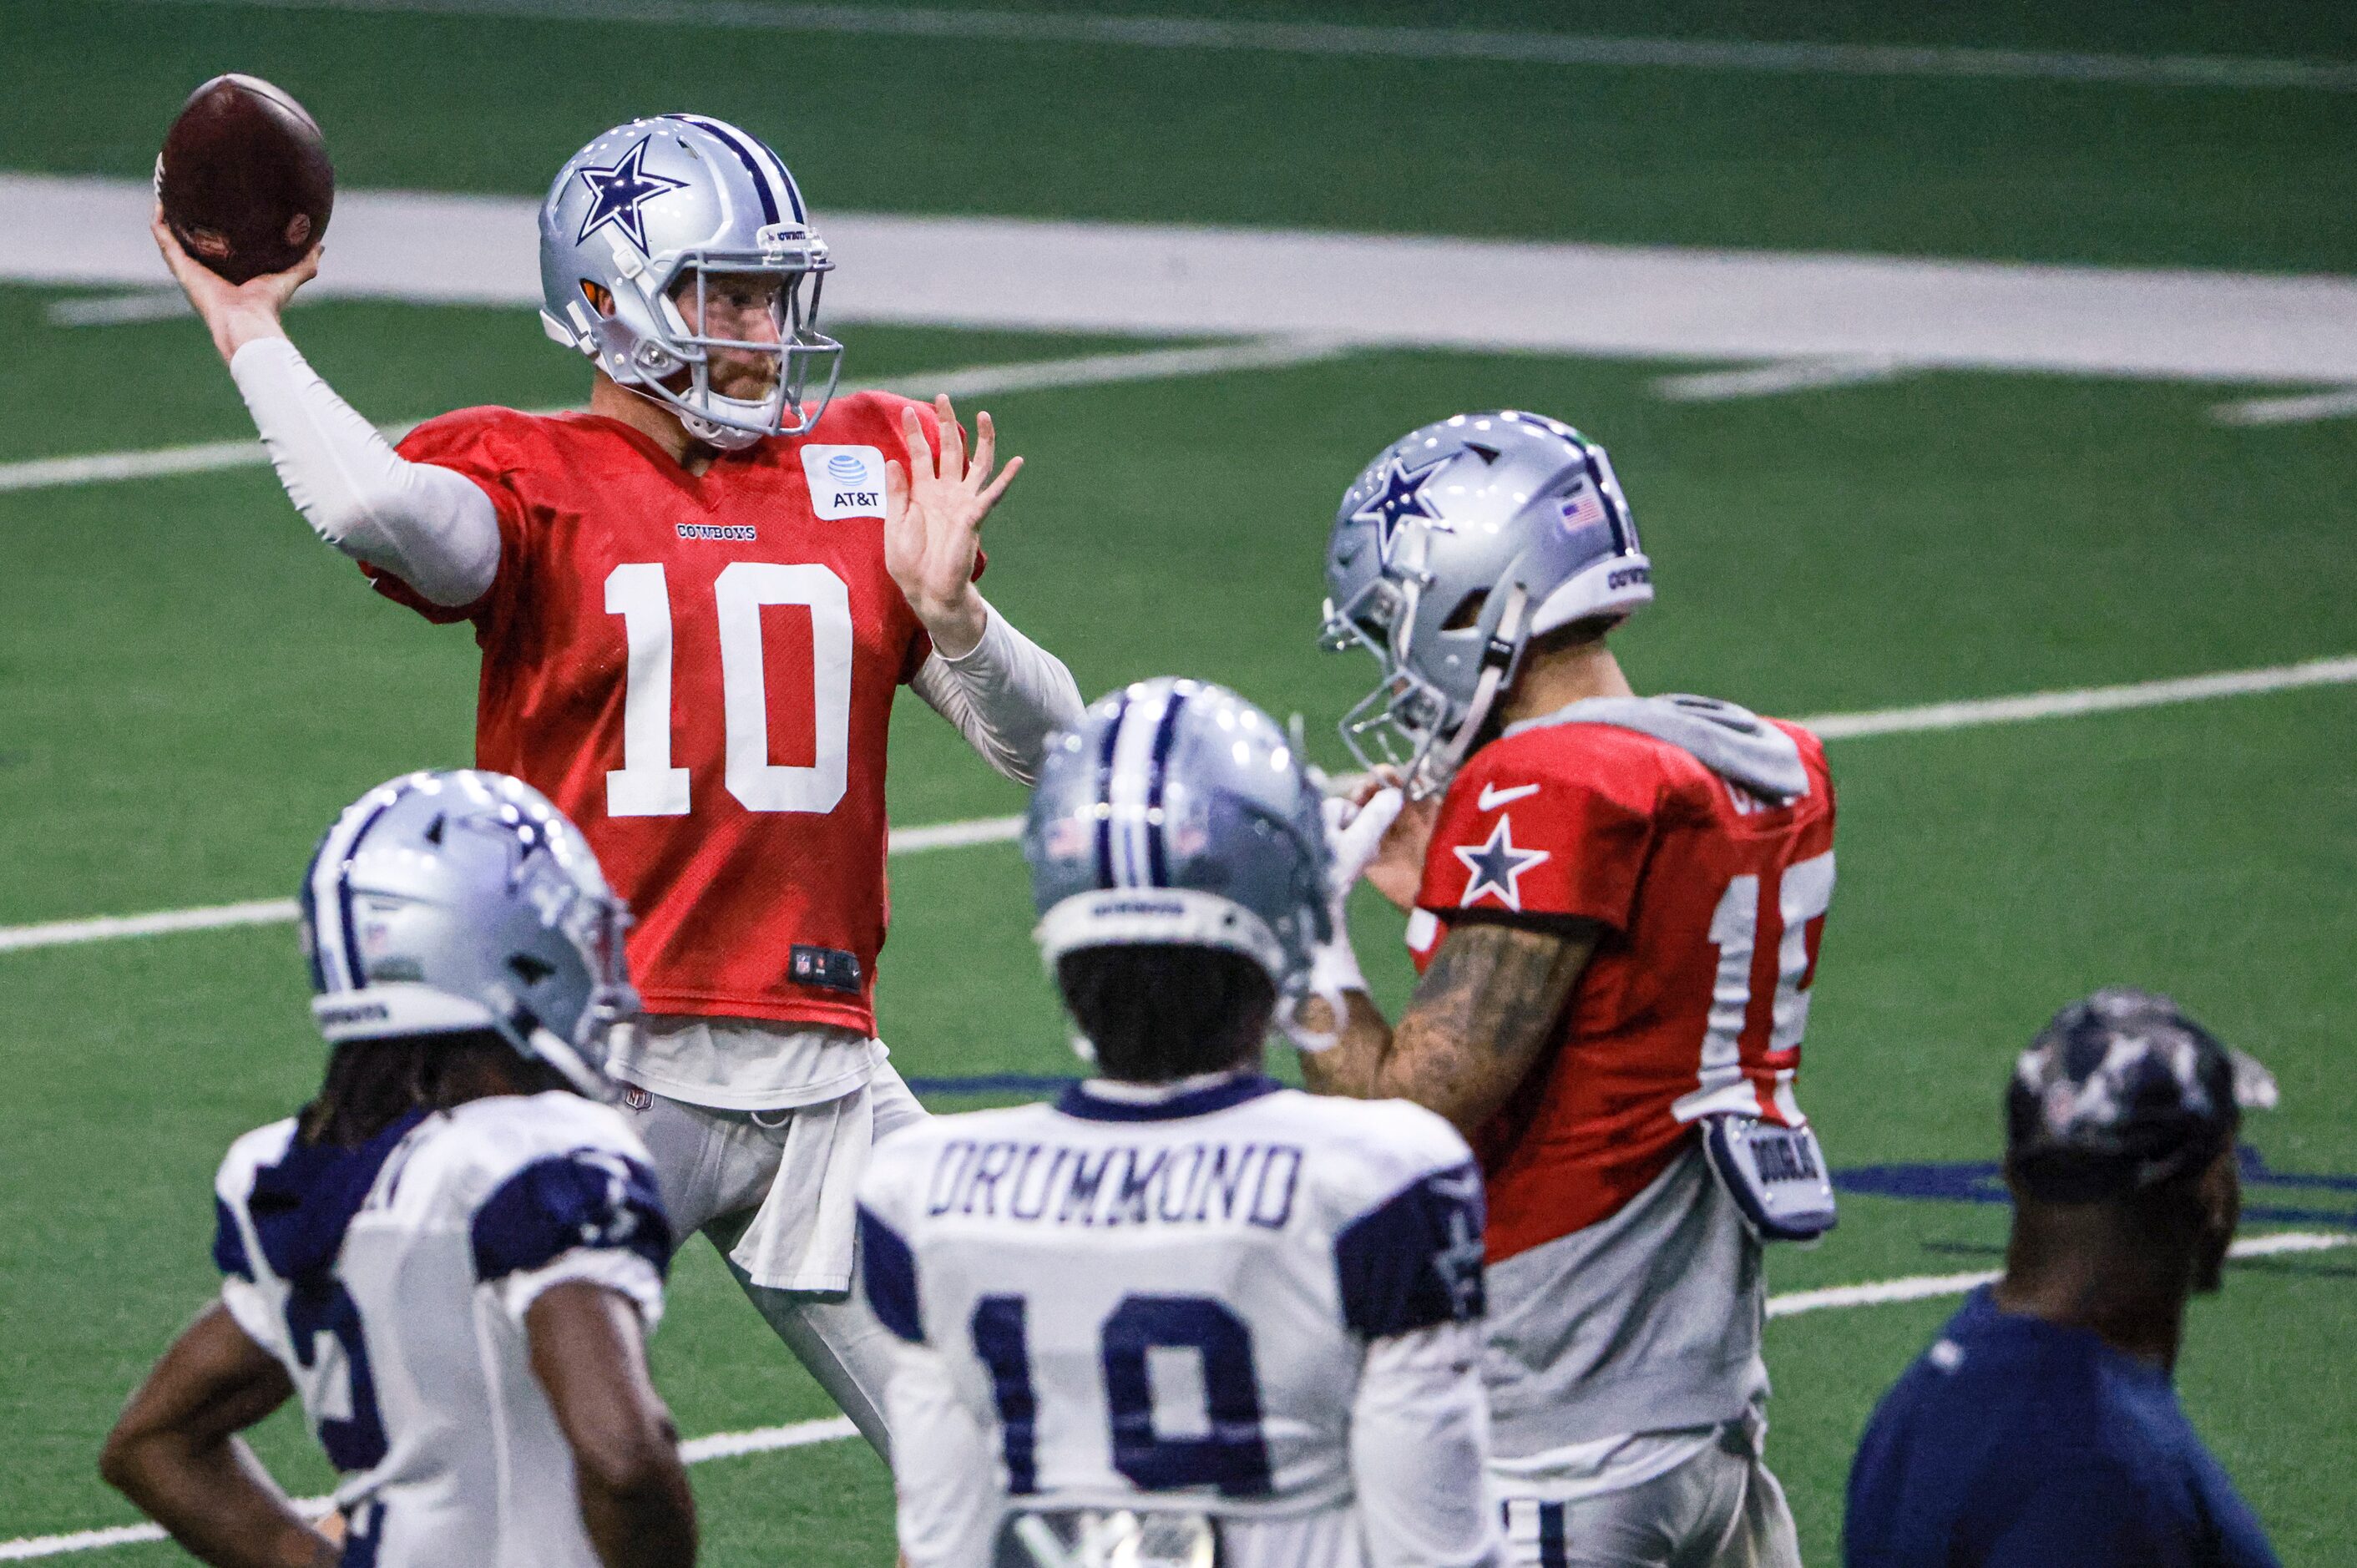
(932, 524)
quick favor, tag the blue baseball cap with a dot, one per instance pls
(2117, 1094)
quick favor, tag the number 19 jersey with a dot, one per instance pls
(1170, 1305)
(699, 671)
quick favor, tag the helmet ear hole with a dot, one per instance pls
(600, 298)
(529, 968)
(1467, 613)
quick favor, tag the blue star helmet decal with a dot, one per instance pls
(1402, 497)
(1497, 866)
(619, 191)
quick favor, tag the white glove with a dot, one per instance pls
(1354, 834)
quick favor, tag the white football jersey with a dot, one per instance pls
(1181, 1303)
(392, 1281)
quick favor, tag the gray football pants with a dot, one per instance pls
(714, 1168)
(1722, 1509)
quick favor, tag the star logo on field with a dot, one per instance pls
(616, 194)
(1497, 866)
(1400, 498)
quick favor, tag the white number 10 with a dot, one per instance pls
(646, 784)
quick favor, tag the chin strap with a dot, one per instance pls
(1431, 776)
(1355, 834)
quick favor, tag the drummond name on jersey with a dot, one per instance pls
(1210, 1182)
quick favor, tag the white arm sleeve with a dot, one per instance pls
(431, 527)
(942, 1467)
(1419, 1442)
(1005, 694)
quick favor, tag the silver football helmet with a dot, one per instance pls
(1460, 544)
(635, 222)
(1177, 813)
(461, 901)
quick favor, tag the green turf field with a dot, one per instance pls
(190, 686)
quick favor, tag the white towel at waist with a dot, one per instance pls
(802, 1238)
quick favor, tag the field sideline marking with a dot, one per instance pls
(971, 380)
(1396, 43)
(1003, 830)
(1693, 308)
(803, 1433)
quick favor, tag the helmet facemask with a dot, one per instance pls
(678, 299)
(1408, 723)
(597, 923)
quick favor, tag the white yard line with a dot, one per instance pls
(696, 1451)
(972, 381)
(2339, 404)
(1395, 43)
(1005, 830)
(1921, 1287)
(2085, 700)
(1767, 381)
(116, 309)
(110, 928)
(278, 911)
(803, 1433)
(1701, 307)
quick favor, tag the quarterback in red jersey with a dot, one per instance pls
(695, 603)
(1615, 907)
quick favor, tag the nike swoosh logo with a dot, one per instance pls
(1493, 797)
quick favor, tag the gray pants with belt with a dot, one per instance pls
(714, 1168)
(1722, 1509)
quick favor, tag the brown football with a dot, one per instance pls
(244, 179)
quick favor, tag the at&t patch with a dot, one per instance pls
(844, 481)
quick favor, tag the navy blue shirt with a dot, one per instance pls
(2013, 1442)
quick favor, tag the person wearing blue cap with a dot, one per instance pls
(2042, 1428)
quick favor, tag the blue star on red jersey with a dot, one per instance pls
(616, 194)
(1497, 867)
(1402, 497)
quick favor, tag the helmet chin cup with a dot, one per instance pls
(726, 437)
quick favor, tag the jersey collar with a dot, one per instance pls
(302, 1205)
(1087, 1102)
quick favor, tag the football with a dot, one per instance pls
(244, 179)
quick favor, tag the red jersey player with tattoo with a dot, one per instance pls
(1615, 907)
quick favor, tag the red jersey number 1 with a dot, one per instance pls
(646, 784)
(1802, 894)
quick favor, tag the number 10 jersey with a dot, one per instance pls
(699, 671)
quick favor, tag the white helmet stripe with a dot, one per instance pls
(1131, 787)
(779, 194)
(331, 893)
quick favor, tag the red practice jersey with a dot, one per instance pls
(699, 670)
(1712, 901)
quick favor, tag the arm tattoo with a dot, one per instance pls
(1482, 1016)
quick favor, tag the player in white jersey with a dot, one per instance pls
(452, 1254)
(1183, 1315)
